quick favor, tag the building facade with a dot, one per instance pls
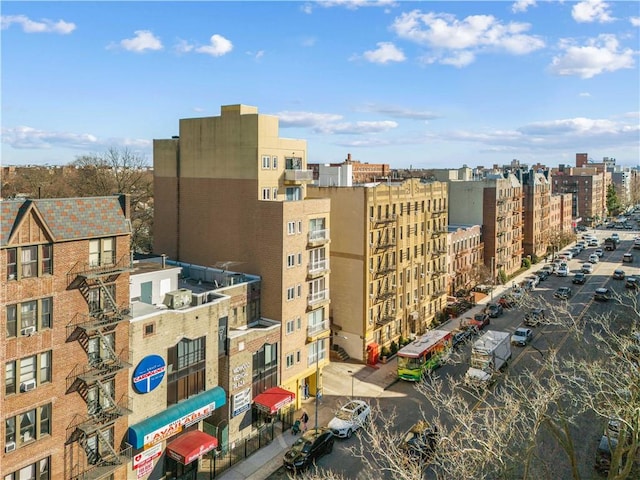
(229, 191)
(466, 258)
(361, 172)
(389, 246)
(588, 188)
(64, 265)
(537, 214)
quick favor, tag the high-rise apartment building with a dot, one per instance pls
(229, 191)
(537, 213)
(587, 185)
(388, 262)
(64, 270)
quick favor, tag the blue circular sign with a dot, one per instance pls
(149, 373)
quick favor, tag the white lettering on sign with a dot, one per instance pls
(147, 455)
(176, 426)
(240, 374)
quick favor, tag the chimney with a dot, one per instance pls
(125, 204)
(164, 260)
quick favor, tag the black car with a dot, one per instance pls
(420, 441)
(602, 294)
(312, 445)
(542, 275)
(461, 335)
(534, 317)
(494, 310)
(579, 278)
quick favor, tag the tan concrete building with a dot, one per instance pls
(466, 254)
(588, 187)
(64, 298)
(202, 355)
(495, 202)
(537, 213)
(388, 262)
(230, 191)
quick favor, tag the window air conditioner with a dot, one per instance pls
(28, 385)
(28, 331)
(9, 447)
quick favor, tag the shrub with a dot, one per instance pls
(502, 275)
(385, 352)
(526, 263)
(394, 347)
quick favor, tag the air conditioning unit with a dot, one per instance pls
(9, 447)
(178, 299)
(28, 331)
(28, 385)
(198, 299)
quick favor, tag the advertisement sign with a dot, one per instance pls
(149, 373)
(176, 426)
(241, 402)
(147, 455)
(145, 468)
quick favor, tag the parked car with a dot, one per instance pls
(605, 450)
(534, 317)
(461, 335)
(615, 237)
(522, 336)
(548, 268)
(350, 417)
(542, 275)
(420, 441)
(563, 293)
(567, 254)
(587, 268)
(494, 310)
(602, 294)
(593, 258)
(618, 274)
(633, 282)
(313, 444)
(627, 258)
(599, 252)
(579, 278)
(562, 271)
(534, 278)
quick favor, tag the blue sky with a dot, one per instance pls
(421, 84)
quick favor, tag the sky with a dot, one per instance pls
(422, 84)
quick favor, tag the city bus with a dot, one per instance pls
(423, 355)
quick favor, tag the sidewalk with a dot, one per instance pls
(367, 382)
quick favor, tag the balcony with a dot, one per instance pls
(318, 237)
(317, 269)
(319, 297)
(384, 269)
(437, 233)
(383, 243)
(101, 417)
(295, 177)
(317, 330)
(386, 294)
(384, 219)
(105, 266)
(384, 319)
(104, 466)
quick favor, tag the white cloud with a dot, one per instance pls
(635, 21)
(348, 4)
(328, 123)
(522, 5)
(599, 55)
(306, 119)
(182, 46)
(385, 53)
(444, 34)
(31, 26)
(142, 41)
(584, 94)
(24, 137)
(589, 11)
(400, 112)
(217, 47)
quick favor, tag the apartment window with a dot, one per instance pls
(100, 299)
(274, 162)
(290, 360)
(291, 293)
(290, 326)
(265, 368)
(36, 471)
(10, 378)
(299, 226)
(12, 263)
(298, 356)
(28, 426)
(266, 194)
(149, 329)
(291, 228)
(102, 251)
(317, 352)
(28, 317)
(293, 194)
(100, 348)
(315, 321)
(186, 362)
(291, 260)
(298, 323)
(299, 290)
(266, 161)
(28, 373)
(299, 259)
(29, 261)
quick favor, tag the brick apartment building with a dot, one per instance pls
(537, 213)
(230, 191)
(64, 269)
(466, 255)
(390, 247)
(361, 172)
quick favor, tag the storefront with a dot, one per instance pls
(271, 401)
(178, 425)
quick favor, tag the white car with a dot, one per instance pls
(587, 268)
(599, 252)
(593, 258)
(562, 271)
(567, 254)
(349, 418)
(593, 242)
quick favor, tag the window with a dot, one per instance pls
(12, 263)
(299, 226)
(293, 194)
(265, 368)
(186, 362)
(27, 372)
(291, 228)
(149, 329)
(275, 193)
(274, 162)
(317, 352)
(36, 471)
(290, 360)
(24, 262)
(266, 161)
(299, 290)
(299, 259)
(291, 260)
(26, 318)
(291, 325)
(291, 293)
(102, 251)
(100, 299)
(29, 261)
(298, 323)
(298, 356)
(266, 194)
(45, 312)
(10, 378)
(46, 259)
(28, 426)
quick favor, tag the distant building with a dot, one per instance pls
(360, 172)
(587, 185)
(537, 213)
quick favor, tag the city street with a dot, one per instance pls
(403, 400)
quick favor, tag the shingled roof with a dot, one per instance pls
(68, 218)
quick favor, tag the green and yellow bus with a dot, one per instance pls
(423, 355)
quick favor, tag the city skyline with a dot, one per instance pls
(411, 84)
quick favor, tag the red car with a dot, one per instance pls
(480, 320)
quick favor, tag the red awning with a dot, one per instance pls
(273, 399)
(191, 446)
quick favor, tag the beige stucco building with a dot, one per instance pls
(230, 191)
(388, 262)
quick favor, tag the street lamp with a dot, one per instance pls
(350, 372)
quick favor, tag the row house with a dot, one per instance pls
(230, 192)
(465, 250)
(388, 246)
(64, 301)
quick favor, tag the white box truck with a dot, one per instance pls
(489, 354)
